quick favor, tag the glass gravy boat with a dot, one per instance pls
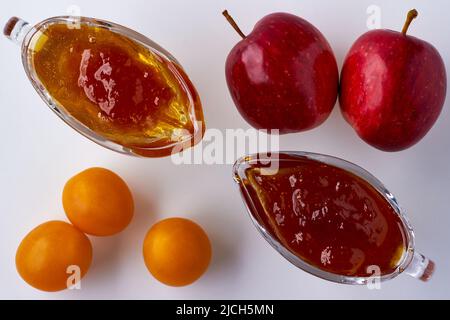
(27, 36)
(411, 262)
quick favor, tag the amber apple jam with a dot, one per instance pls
(328, 217)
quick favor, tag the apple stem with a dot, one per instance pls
(412, 14)
(233, 24)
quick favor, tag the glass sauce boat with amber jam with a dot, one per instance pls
(329, 217)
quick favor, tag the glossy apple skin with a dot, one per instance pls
(283, 75)
(393, 88)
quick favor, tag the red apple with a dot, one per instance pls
(283, 75)
(393, 88)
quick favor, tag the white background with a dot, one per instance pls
(39, 153)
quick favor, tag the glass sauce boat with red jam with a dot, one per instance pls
(329, 217)
(111, 84)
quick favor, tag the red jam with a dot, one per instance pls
(327, 216)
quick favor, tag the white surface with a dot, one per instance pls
(39, 153)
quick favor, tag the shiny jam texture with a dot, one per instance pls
(328, 217)
(113, 85)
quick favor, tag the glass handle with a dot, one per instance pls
(16, 29)
(420, 267)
